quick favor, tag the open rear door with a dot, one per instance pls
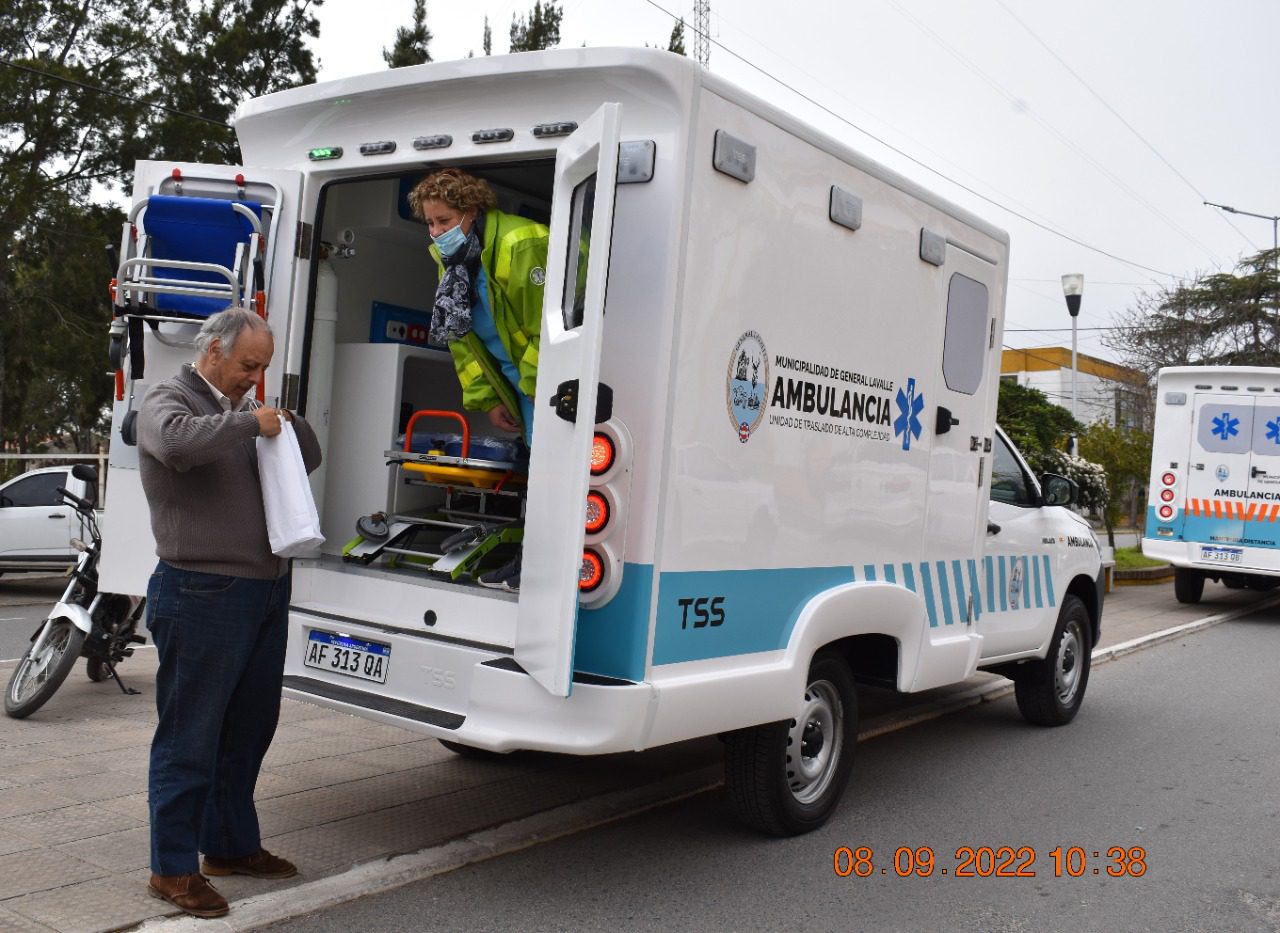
(569, 362)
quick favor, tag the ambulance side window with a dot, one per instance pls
(964, 346)
(575, 277)
(1009, 483)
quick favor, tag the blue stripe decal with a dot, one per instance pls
(944, 593)
(1026, 581)
(759, 609)
(975, 590)
(1048, 581)
(926, 583)
(1035, 566)
(869, 573)
(612, 640)
(890, 574)
(909, 577)
(962, 613)
(990, 564)
(1004, 586)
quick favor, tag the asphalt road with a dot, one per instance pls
(25, 600)
(1173, 760)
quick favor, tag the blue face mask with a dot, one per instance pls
(451, 240)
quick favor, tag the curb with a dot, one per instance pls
(1142, 576)
(396, 871)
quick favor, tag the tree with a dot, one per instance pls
(1033, 423)
(488, 37)
(541, 30)
(1227, 319)
(676, 42)
(89, 87)
(1126, 457)
(411, 43)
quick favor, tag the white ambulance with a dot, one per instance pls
(764, 441)
(1213, 509)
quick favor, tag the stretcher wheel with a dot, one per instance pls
(372, 527)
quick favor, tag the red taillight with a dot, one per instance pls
(603, 453)
(597, 512)
(592, 573)
(1169, 479)
(1166, 512)
(1166, 495)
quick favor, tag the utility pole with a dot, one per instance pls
(702, 31)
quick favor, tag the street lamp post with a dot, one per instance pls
(1073, 289)
(1275, 225)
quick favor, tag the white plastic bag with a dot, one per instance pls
(293, 525)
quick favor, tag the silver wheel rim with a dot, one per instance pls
(814, 742)
(1068, 666)
(34, 669)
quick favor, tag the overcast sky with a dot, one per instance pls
(1109, 121)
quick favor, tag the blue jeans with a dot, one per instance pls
(221, 642)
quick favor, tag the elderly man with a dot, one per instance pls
(217, 608)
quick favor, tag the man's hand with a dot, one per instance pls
(501, 418)
(268, 420)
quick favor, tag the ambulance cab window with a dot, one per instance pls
(964, 347)
(1009, 484)
(575, 276)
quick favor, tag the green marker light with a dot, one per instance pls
(324, 152)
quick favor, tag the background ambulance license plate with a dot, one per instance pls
(1222, 555)
(342, 654)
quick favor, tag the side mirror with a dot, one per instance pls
(85, 472)
(1058, 490)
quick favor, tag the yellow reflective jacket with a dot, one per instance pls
(514, 257)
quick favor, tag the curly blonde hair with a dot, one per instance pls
(461, 191)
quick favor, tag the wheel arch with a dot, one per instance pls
(1089, 592)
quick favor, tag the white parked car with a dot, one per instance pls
(36, 526)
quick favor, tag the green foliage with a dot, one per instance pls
(81, 102)
(412, 41)
(1089, 477)
(1033, 423)
(1132, 558)
(1125, 455)
(488, 37)
(676, 42)
(1221, 319)
(540, 30)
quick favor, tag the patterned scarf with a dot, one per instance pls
(451, 315)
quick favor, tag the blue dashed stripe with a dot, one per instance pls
(927, 583)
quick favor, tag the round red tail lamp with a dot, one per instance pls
(603, 453)
(597, 512)
(1166, 512)
(1166, 495)
(591, 574)
(1169, 479)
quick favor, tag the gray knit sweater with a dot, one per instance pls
(199, 468)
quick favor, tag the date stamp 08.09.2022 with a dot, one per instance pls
(993, 862)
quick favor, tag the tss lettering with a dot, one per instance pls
(706, 611)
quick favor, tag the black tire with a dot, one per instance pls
(470, 751)
(1188, 585)
(35, 680)
(96, 668)
(786, 778)
(1050, 692)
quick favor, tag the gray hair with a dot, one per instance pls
(226, 327)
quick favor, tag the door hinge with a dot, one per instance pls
(991, 340)
(302, 249)
(982, 461)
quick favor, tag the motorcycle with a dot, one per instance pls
(101, 627)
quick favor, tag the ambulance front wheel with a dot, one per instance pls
(786, 778)
(1188, 585)
(1049, 692)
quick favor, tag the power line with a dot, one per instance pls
(108, 91)
(1115, 113)
(928, 168)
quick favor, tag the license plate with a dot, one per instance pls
(1222, 555)
(352, 657)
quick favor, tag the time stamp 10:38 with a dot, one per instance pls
(993, 862)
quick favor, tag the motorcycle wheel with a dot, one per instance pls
(37, 678)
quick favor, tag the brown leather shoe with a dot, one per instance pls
(262, 864)
(191, 894)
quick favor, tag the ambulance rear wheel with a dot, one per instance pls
(1188, 585)
(786, 778)
(1049, 692)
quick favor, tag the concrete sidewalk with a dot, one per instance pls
(338, 792)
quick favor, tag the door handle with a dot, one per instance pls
(992, 528)
(58, 515)
(944, 422)
(1254, 471)
(565, 401)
